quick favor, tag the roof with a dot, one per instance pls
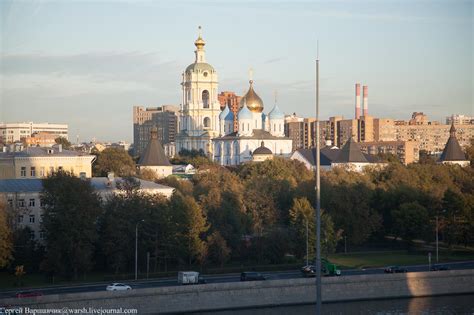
(20, 185)
(244, 113)
(262, 150)
(42, 151)
(98, 183)
(276, 113)
(256, 134)
(310, 156)
(452, 151)
(224, 113)
(350, 153)
(154, 155)
(199, 66)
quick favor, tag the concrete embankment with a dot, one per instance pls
(262, 293)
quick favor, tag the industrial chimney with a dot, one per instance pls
(357, 101)
(365, 95)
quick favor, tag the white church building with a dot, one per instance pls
(203, 126)
(255, 131)
(199, 115)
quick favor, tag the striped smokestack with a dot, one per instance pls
(357, 101)
(365, 96)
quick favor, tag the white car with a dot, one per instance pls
(118, 287)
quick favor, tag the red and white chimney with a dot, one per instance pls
(365, 96)
(357, 101)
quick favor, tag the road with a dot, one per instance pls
(152, 283)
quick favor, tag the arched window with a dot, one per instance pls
(207, 122)
(205, 99)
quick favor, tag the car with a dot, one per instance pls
(25, 294)
(251, 276)
(202, 280)
(118, 287)
(439, 267)
(308, 271)
(395, 269)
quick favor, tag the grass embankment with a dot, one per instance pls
(381, 259)
(354, 260)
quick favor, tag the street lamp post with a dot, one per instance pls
(437, 239)
(318, 199)
(136, 248)
(437, 234)
(307, 247)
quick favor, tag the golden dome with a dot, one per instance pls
(253, 101)
(199, 42)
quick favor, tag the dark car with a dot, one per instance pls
(439, 267)
(308, 271)
(201, 280)
(251, 276)
(395, 269)
(25, 294)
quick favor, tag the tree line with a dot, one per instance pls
(256, 213)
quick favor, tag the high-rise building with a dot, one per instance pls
(164, 118)
(231, 100)
(15, 132)
(460, 120)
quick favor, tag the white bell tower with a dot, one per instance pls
(199, 121)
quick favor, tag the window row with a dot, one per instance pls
(21, 203)
(41, 172)
(32, 218)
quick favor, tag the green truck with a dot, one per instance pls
(327, 269)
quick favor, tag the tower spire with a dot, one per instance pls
(199, 43)
(250, 75)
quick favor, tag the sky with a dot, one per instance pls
(87, 63)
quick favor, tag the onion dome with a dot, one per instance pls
(276, 113)
(253, 101)
(262, 150)
(224, 113)
(229, 116)
(244, 113)
(199, 43)
(199, 66)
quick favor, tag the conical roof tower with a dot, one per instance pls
(452, 150)
(154, 154)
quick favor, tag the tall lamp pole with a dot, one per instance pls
(436, 237)
(318, 198)
(136, 248)
(307, 243)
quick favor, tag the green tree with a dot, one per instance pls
(6, 243)
(218, 251)
(191, 226)
(27, 252)
(71, 209)
(411, 221)
(115, 160)
(64, 142)
(301, 213)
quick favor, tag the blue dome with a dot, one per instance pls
(244, 113)
(224, 113)
(229, 116)
(276, 113)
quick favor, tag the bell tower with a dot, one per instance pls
(199, 115)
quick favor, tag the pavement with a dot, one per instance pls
(234, 277)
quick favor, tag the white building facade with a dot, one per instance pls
(199, 114)
(14, 132)
(254, 127)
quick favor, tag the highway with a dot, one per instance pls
(151, 283)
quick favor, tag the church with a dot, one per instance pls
(203, 126)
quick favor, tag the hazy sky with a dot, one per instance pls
(86, 63)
